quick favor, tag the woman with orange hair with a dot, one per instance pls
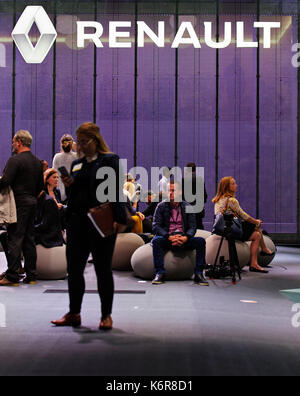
(225, 201)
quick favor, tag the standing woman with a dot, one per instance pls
(64, 158)
(225, 201)
(82, 237)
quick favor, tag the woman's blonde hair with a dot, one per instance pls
(92, 132)
(224, 189)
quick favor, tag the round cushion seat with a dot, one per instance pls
(203, 234)
(51, 262)
(178, 265)
(212, 245)
(126, 245)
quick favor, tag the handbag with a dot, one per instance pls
(219, 225)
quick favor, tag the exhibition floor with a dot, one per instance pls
(176, 329)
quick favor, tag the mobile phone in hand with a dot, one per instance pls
(63, 171)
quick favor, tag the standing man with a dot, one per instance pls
(164, 181)
(174, 229)
(196, 182)
(24, 174)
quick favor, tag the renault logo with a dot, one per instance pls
(48, 34)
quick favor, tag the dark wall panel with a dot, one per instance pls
(6, 25)
(115, 91)
(34, 97)
(278, 142)
(74, 78)
(237, 110)
(156, 100)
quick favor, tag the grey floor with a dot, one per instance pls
(177, 329)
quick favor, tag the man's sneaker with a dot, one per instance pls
(6, 282)
(159, 279)
(200, 280)
(29, 281)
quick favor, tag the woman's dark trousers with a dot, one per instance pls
(83, 239)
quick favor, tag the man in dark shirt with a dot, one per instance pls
(149, 211)
(197, 185)
(24, 174)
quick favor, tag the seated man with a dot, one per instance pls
(174, 229)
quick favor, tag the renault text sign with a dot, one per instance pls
(31, 15)
(120, 38)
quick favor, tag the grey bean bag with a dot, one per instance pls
(203, 234)
(179, 266)
(126, 245)
(51, 263)
(212, 245)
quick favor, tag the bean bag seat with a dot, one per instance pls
(51, 262)
(203, 234)
(2, 232)
(126, 245)
(264, 261)
(212, 245)
(179, 265)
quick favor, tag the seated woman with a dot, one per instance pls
(225, 201)
(48, 232)
(129, 190)
(137, 217)
(51, 182)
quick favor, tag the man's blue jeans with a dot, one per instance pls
(161, 244)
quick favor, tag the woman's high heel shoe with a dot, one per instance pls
(253, 269)
(266, 254)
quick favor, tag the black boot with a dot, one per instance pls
(200, 280)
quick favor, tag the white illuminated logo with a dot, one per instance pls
(48, 34)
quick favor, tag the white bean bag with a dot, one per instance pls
(51, 263)
(126, 245)
(264, 261)
(1, 247)
(203, 234)
(179, 266)
(212, 245)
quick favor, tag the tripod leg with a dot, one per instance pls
(218, 253)
(234, 260)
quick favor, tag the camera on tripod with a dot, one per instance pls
(228, 218)
(223, 269)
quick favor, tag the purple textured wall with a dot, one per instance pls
(156, 106)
